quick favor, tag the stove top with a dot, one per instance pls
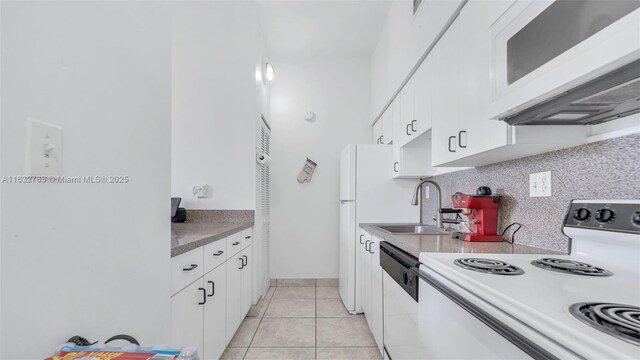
(568, 266)
(490, 266)
(588, 301)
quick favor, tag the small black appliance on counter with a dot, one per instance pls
(178, 214)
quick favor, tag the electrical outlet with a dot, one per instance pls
(540, 184)
(200, 191)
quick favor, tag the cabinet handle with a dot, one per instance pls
(454, 143)
(246, 260)
(382, 139)
(361, 235)
(193, 266)
(213, 288)
(248, 237)
(220, 252)
(241, 262)
(460, 139)
(407, 129)
(370, 246)
(395, 166)
(204, 296)
(236, 243)
(413, 128)
(369, 242)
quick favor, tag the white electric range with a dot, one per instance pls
(508, 306)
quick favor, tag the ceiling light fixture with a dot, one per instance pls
(269, 71)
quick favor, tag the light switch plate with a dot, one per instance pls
(540, 184)
(43, 153)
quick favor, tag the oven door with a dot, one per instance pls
(455, 324)
(543, 48)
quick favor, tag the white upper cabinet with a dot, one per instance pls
(463, 132)
(422, 89)
(406, 122)
(383, 129)
(446, 100)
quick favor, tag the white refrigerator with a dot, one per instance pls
(368, 194)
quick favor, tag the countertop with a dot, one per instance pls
(416, 244)
(191, 235)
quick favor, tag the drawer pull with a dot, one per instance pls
(213, 288)
(193, 266)
(241, 263)
(204, 296)
(220, 252)
(236, 243)
(248, 237)
(246, 260)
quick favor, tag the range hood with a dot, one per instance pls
(608, 97)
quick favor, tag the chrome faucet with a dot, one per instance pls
(416, 200)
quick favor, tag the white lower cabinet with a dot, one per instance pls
(215, 313)
(238, 290)
(187, 316)
(207, 312)
(198, 314)
(247, 272)
(371, 287)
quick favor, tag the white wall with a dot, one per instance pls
(86, 259)
(217, 100)
(304, 217)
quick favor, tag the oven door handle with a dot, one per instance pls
(514, 337)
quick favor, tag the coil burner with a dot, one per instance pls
(489, 266)
(619, 320)
(570, 267)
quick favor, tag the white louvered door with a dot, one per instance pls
(264, 206)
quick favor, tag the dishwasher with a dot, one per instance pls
(400, 303)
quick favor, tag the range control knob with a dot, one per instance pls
(605, 215)
(582, 214)
(635, 218)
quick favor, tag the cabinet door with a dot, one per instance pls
(377, 131)
(446, 104)
(234, 295)
(387, 127)
(366, 277)
(215, 313)
(406, 112)
(422, 98)
(397, 158)
(375, 312)
(247, 280)
(360, 267)
(187, 310)
(477, 133)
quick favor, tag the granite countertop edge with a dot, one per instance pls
(206, 239)
(408, 242)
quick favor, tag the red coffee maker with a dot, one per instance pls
(481, 211)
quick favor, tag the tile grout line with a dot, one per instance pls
(261, 318)
(315, 323)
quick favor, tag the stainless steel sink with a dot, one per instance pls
(412, 229)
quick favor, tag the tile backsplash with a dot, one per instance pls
(608, 169)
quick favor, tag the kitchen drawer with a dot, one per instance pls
(215, 254)
(247, 237)
(234, 244)
(186, 268)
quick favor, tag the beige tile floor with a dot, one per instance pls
(303, 319)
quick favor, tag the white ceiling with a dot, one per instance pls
(317, 28)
